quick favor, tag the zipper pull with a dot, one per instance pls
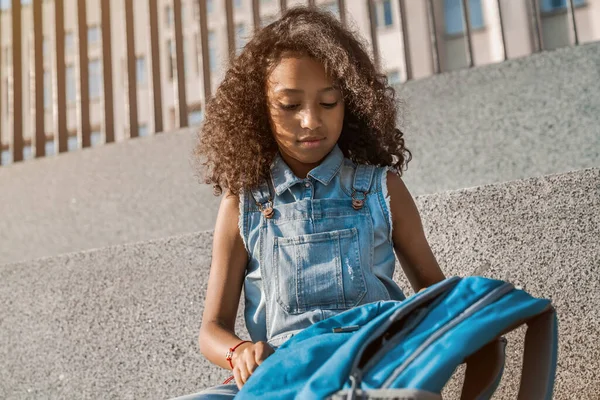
(355, 378)
(342, 329)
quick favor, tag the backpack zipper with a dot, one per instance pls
(490, 298)
(356, 373)
(395, 340)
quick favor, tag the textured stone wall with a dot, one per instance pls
(122, 322)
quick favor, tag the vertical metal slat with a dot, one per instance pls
(60, 108)
(38, 46)
(373, 28)
(155, 60)
(535, 9)
(405, 39)
(256, 14)
(433, 37)
(311, 3)
(84, 75)
(205, 52)
(573, 21)
(131, 69)
(1, 92)
(180, 78)
(17, 94)
(230, 28)
(502, 32)
(282, 5)
(109, 118)
(342, 8)
(467, 18)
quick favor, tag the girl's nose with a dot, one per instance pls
(310, 119)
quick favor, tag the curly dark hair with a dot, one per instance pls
(235, 142)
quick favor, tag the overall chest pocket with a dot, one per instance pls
(320, 270)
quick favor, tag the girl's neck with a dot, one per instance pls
(299, 168)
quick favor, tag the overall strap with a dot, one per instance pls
(263, 199)
(363, 179)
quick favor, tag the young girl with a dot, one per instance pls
(302, 134)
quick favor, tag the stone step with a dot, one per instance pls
(123, 321)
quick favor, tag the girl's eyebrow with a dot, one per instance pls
(288, 90)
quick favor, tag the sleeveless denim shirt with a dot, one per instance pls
(317, 255)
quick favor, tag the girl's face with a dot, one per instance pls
(306, 112)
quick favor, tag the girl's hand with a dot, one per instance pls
(246, 358)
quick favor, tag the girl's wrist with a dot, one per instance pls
(231, 354)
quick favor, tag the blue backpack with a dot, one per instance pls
(410, 349)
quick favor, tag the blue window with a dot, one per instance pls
(195, 117)
(212, 50)
(7, 157)
(554, 5)
(69, 42)
(169, 16)
(50, 149)
(27, 153)
(393, 77)
(70, 77)
(72, 143)
(209, 6)
(95, 77)
(453, 16)
(267, 20)
(93, 34)
(142, 130)
(6, 4)
(240, 37)
(171, 58)
(140, 70)
(96, 138)
(238, 3)
(330, 7)
(384, 13)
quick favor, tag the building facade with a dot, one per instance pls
(440, 19)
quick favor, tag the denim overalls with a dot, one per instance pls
(316, 246)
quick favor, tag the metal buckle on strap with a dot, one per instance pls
(266, 209)
(357, 204)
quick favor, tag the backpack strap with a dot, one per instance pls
(484, 370)
(263, 198)
(363, 179)
(539, 362)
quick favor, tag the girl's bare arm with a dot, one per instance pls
(410, 244)
(229, 260)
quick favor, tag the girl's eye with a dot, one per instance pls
(293, 106)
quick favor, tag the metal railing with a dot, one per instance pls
(154, 28)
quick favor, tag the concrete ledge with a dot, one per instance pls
(122, 322)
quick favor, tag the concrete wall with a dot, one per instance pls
(528, 117)
(122, 322)
(525, 117)
(126, 192)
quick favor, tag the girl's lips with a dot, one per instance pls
(311, 143)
